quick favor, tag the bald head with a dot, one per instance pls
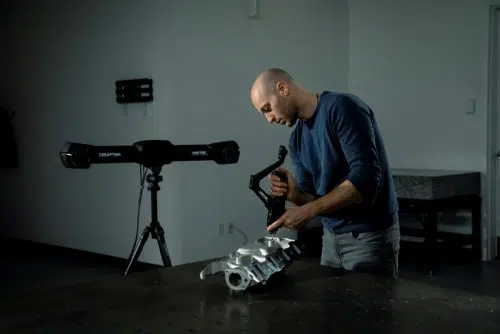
(280, 100)
(267, 81)
(270, 84)
(272, 95)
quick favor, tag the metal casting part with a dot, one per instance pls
(255, 263)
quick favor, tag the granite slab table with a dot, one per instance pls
(425, 193)
(429, 192)
(311, 299)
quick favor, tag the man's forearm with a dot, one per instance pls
(340, 197)
(300, 198)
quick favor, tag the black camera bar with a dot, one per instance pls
(149, 153)
(152, 154)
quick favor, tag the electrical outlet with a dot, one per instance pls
(226, 229)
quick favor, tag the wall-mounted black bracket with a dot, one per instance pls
(134, 91)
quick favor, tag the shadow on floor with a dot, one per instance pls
(28, 267)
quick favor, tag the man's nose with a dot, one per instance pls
(271, 118)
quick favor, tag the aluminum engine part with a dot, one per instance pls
(255, 263)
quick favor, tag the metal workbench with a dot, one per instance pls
(311, 299)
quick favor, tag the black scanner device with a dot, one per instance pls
(275, 205)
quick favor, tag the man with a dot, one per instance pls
(341, 173)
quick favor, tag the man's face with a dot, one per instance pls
(277, 107)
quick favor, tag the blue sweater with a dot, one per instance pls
(342, 142)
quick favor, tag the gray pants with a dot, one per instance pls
(371, 252)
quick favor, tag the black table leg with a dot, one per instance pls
(433, 254)
(476, 227)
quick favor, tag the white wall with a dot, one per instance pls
(418, 63)
(63, 60)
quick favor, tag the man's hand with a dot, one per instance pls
(343, 195)
(293, 218)
(289, 189)
(280, 188)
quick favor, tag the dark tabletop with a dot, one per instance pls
(311, 299)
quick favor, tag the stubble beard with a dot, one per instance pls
(293, 116)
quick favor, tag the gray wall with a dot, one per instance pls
(416, 62)
(63, 60)
(419, 63)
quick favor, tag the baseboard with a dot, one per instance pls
(27, 247)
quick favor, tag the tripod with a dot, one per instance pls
(154, 229)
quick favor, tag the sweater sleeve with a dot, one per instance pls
(353, 125)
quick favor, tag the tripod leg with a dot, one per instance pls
(136, 252)
(159, 235)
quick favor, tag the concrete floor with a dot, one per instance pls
(27, 268)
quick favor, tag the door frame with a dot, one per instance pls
(489, 221)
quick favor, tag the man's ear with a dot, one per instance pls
(282, 88)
